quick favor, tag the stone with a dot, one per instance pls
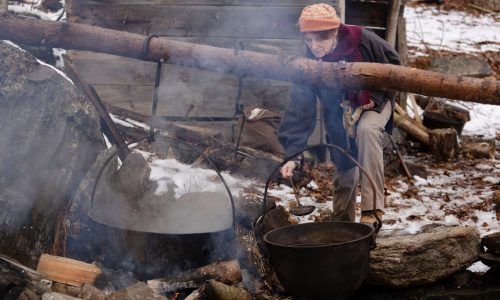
(490, 259)
(90, 292)
(50, 135)
(492, 242)
(57, 296)
(138, 291)
(402, 261)
(496, 197)
(461, 66)
(28, 294)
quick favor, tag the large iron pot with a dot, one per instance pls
(150, 251)
(322, 260)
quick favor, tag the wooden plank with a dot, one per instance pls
(136, 73)
(366, 13)
(300, 3)
(182, 20)
(200, 101)
(172, 100)
(67, 271)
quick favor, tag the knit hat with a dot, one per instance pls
(318, 17)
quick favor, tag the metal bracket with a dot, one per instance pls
(342, 65)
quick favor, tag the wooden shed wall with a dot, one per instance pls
(267, 26)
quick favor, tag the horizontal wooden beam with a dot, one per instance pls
(250, 64)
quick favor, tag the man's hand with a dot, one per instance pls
(287, 169)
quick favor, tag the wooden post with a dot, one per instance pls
(392, 23)
(4, 6)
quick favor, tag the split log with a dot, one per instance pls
(247, 63)
(228, 272)
(477, 148)
(220, 291)
(68, 271)
(444, 144)
(405, 260)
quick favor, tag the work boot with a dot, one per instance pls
(368, 217)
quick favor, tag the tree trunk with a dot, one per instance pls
(247, 63)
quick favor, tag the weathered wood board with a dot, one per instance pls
(268, 26)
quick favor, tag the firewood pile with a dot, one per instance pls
(435, 254)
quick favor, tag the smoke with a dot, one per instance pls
(48, 139)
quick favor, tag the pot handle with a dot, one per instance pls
(150, 138)
(377, 224)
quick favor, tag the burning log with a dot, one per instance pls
(247, 63)
(228, 272)
(220, 291)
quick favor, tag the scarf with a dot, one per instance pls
(348, 39)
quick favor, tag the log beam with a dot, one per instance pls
(246, 63)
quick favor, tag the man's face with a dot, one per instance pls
(318, 45)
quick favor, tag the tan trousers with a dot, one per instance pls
(370, 155)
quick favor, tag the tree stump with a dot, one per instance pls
(444, 144)
(423, 258)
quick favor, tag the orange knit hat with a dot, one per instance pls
(318, 17)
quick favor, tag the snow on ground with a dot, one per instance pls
(485, 121)
(457, 31)
(33, 10)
